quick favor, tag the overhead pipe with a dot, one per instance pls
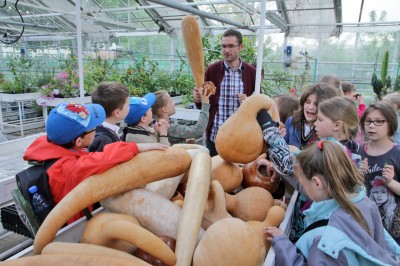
(173, 4)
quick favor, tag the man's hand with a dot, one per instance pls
(241, 97)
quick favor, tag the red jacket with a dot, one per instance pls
(75, 166)
(215, 73)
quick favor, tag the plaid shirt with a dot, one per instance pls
(228, 102)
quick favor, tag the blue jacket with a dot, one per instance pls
(342, 241)
(293, 134)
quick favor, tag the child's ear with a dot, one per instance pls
(116, 113)
(317, 181)
(338, 125)
(143, 119)
(78, 141)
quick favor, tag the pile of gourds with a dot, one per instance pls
(211, 226)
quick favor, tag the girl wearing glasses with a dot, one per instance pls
(381, 157)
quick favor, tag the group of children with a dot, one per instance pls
(85, 138)
(348, 211)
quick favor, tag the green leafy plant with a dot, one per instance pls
(10, 87)
(66, 83)
(98, 70)
(277, 81)
(381, 86)
(139, 78)
(20, 68)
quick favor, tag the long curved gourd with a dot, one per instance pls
(83, 248)
(105, 228)
(193, 207)
(144, 168)
(94, 232)
(194, 48)
(70, 259)
(216, 205)
(240, 138)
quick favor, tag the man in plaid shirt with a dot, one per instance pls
(234, 80)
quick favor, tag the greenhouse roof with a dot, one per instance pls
(101, 19)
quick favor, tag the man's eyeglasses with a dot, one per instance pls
(376, 122)
(229, 46)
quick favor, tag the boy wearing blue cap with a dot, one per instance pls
(139, 118)
(71, 128)
(114, 97)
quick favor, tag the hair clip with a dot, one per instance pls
(320, 145)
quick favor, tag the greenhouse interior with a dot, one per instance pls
(52, 52)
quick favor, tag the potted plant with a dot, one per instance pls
(381, 86)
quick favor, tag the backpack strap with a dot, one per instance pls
(316, 224)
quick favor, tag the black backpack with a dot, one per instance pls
(34, 175)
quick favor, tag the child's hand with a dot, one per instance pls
(151, 146)
(196, 95)
(204, 95)
(363, 166)
(161, 126)
(282, 131)
(359, 98)
(272, 232)
(387, 173)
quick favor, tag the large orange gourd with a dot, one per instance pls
(194, 48)
(240, 138)
(232, 242)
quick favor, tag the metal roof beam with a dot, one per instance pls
(338, 14)
(158, 19)
(173, 4)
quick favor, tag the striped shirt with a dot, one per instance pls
(228, 102)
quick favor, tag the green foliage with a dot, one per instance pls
(397, 84)
(20, 67)
(10, 87)
(277, 81)
(382, 86)
(384, 67)
(249, 52)
(212, 50)
(65, 83)
(139, 78)
(377, 86)
(97, 70)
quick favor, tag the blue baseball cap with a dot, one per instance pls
(138, 107)
(68, 121)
